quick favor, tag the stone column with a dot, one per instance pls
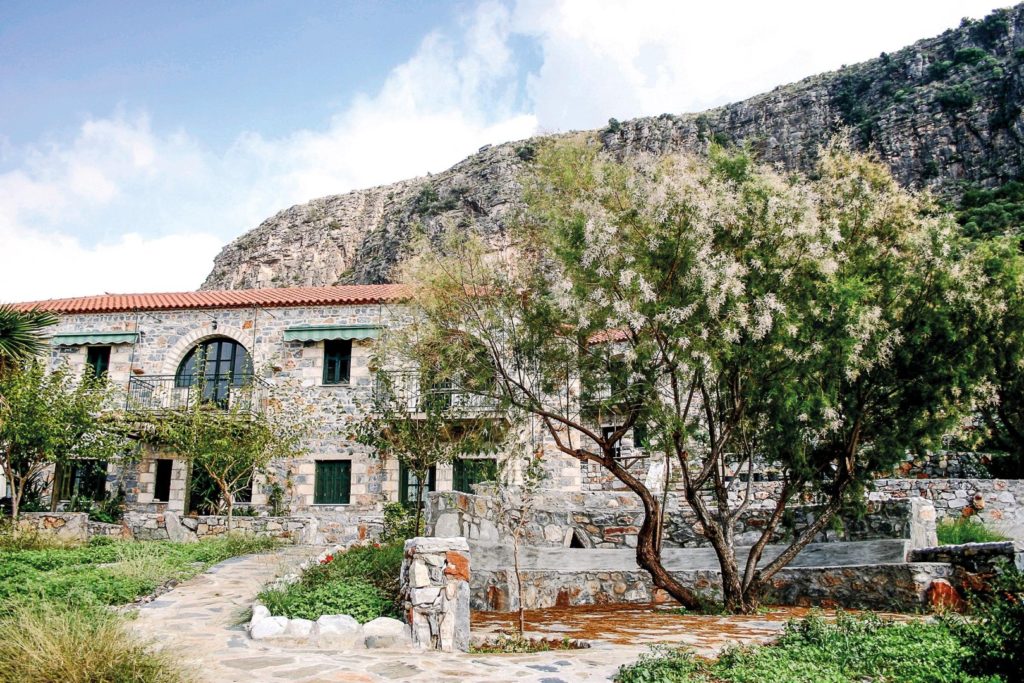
(922, 524)
(435, 592)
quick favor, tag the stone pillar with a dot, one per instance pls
(922, 524)
(435, 592)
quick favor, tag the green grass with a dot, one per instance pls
(108, 572)
(361, 582)
(966, 530)
(43, 642)
(851, 650)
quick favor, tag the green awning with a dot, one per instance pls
(83, 338)
(322, 332)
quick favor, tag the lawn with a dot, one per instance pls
(108, 572)
(55, 621)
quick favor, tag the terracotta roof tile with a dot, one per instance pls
(224, 298)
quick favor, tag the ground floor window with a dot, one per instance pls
(408, 483)
(162, 481)
(84, 479)
(468, 472)
(333, 482)
(206, 498)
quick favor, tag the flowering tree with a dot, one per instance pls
(821, 323)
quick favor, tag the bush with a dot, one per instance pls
(380, 566)
(995, 630)
(359, 599)
(957, 98)
(853, 649)
(45, 642)
(399, 524)
(966, 530)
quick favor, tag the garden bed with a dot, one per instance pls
(343, 599)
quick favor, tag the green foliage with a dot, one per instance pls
(992, 28)
(49, 418)
(20, 339)
(938, 71)
(110, 510)
(399, 524)
(956, 98)
(613, 126)
(44, 642)
(985, 212)
(358, 599)
(526, 152)
(107, 572)
(969, 56)
(516, 643)
(995, 629)
(851, 650)
(378, 565)
(966, 530)
(230, 443)
(362, 582)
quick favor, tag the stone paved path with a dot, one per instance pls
(200, 621)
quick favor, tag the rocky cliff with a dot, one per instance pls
(944, 113)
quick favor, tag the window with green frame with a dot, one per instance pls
(407, 483)
(467, 472)
(337, 361)
(98, 358)
(333, 482)
(82, 479)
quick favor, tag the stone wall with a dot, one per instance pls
(1002, 500)
(65, 526)
(170, 526)
(435, 592)
(611, 520)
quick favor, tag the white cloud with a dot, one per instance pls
(124, 207)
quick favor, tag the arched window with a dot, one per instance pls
(218, 364)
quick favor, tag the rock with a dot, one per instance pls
(942, 597)
(176, 531)
(299, 628)
(259, 613)
(339, 631)
(386, 632)
(268, 627)
(419, 576)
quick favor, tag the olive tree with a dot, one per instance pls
(48, 419)
(821, 322)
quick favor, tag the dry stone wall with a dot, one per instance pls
(435, 592)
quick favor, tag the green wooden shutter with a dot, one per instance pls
(333, 482)
(468, 472)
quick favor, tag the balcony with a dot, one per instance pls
(407, 388)
(160, 393)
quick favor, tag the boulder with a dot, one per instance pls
(339, 631)
(299, 628)
(268, 627)
(259, 613)
(943, 596)
(386, 632)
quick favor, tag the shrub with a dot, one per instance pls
(378, 566)
(45, 642)
(957, 98)
(853, 649)
(965, 530)
(399, 524)
(361, 600)
(969, 55)
(995, 630)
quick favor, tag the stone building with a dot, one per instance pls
(314, 343)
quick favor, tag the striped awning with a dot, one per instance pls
(322, 332)
(84, 338)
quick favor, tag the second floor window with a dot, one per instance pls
(337, 361)
(98, 358)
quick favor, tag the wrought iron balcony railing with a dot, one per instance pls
(155, 393)
(416, 396)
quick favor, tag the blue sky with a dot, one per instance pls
(136, 138)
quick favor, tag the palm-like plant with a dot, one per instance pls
(20, 334)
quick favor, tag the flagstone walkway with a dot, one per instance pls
(201, 621)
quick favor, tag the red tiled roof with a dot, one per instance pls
(605, 336)
(224, 298)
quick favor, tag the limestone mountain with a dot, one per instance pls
(943, 113)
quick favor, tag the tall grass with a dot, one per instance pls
(966, 530)
(49, 642)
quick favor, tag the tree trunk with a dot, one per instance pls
(419, 502)
(519, 580)
(15, 501)
(231, 507)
